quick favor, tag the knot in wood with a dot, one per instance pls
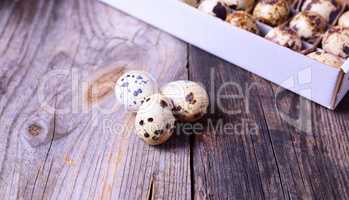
(34, 129)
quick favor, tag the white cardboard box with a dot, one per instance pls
(320, 83)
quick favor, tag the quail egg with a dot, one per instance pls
(336, 41)
(246, 5)
(322, 7)
(272, 12)
(189, 98)
(286, 37)
(154, 121)
(243, 20)
(133, 87)
(308, 24)
(344, 20)
(327, 58)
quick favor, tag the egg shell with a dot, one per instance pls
(133, 87)
(272, 12)
(322, 7)
(308, 24)
(336, 41)
(327, 58)
(244, 20)
(154, 121)
(344, 20)
(189, 98)
(286, 37)
(246, 5)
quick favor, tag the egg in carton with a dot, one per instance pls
(336, 41)
(272, 12)
(275, 12)
(344, 20)
(309, 25)
(245, 5)
(243, 20)
(285, 36)
(280, 33)
(313, 18)
(295, 24)
(311, 21)
(333, 40)
(330, 10)
(326, 58)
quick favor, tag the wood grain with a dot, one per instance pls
(63, 136)
(285, 160)
(57, 49)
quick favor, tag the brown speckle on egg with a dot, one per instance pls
(153, 118)
(346, 49)
(158, 132)
(177, 108)
(190, 97)
(163, 104)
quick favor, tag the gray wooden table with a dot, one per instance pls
(62, 136)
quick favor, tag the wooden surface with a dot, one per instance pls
(64, 137)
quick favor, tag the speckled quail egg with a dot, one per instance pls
(344, 20)
(133, 87)
(336, 41)
(327, 58)
(215, 8)
(189, 98)
(154, 121)
(246, 5)
(308, 24)
(322, 7)
(272, 12)
(243, 20)
(286, 37)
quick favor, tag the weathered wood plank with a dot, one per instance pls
(69, 54)
(56, 50)
(294, 160)
(235, 163)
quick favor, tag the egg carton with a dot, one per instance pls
(291, 70)
(308, 45)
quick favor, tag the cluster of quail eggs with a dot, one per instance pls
(320, 27)
(158, 109)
